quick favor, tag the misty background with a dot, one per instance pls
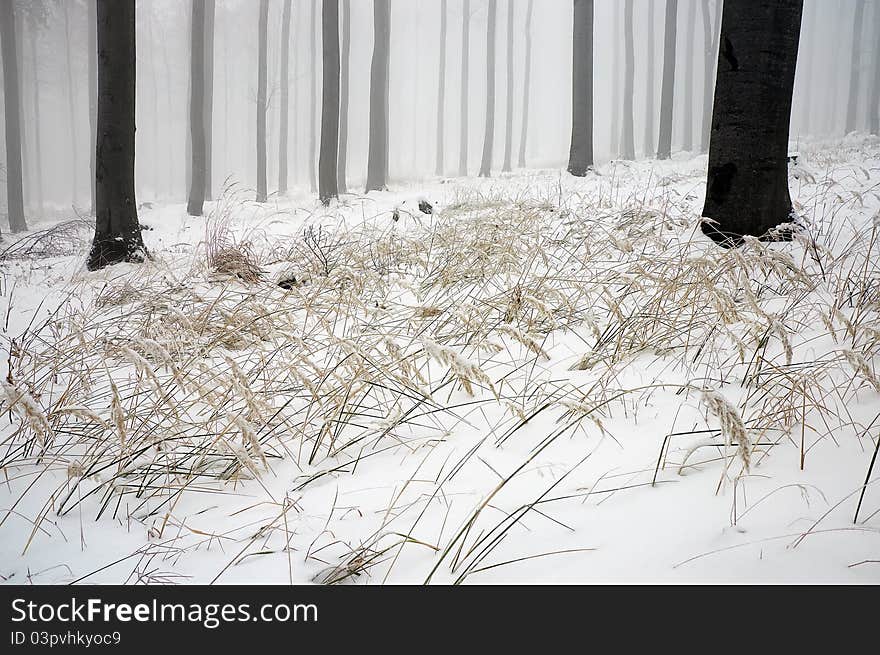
(53, 58)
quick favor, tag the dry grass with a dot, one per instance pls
(166, 385)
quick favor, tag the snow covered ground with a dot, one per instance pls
(546, 380)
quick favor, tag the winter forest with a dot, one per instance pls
(439, 291)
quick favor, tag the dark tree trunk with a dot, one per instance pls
(687, 141)
(852, 104)
(441, 92)
(329, 101)
(209, 98)
(508, 134)
(711, 31)
(489, 134)
(342, 163)
(874, 103)
(262, 194)
(117, 232)
(627, 144)
(285, 98)
(527, 79)
(93, 98)
(313, 97)
(198, 164)
(465, 95)
(650, 109)
(747, 187)
(664, 147)
(12, 115)
(580, 158)
(71, 108)
(377, 160)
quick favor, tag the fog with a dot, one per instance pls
(54, 88)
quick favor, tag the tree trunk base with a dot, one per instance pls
(110, 250)
(779, 234)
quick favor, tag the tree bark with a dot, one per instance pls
(874, 103)
(262, 194)
(664, 147)
(465, 95)
(711, 32)
(117, 232)
(210, 7)
(852, 104)
(71, 108)
(508, 135)
(650, 108)
(489, 134)
(377, 159)
(198, 149)
(687, 141)
(329, 101)
(747, 188)
(441, 92)
(93, 98)
(527, 79)
(283, 150)
(580, 158)
(313, 98)
(342, 163)
(38, 146)
(627, 144)
(12, 118)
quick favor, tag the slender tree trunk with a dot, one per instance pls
(614, 145)
(711, 31)
(198, 165)
(874, 102)
(664, 147)
(687, 143)
(210, 7)
(377, 160)
(441, 92)
(580, 158)
(313, 107)
(650, 108)
(283, 150)
(627, 144)
(489, 135)
(93, 98)
(71, 108)
(262, 195)
(117, 232)
(327, 170)
(12, 118)
(747, 189)
(342, 163)
(527, 78)
(465, 94)
(508, 135)
(852, 105)
(38, 146)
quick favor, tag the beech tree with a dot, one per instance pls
(377, 159)
(489, 133)
(262, 27)
(664, 147)
(327, 186)
(12, 118)
(747, 188)
(580, 158)
(117, 231)
(198, 149)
